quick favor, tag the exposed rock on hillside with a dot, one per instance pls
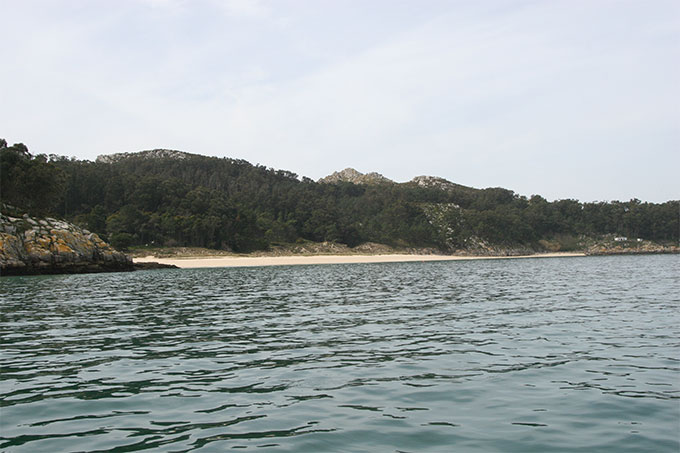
(150, 154)
(356, 177)
(49, 246)
(437, 182)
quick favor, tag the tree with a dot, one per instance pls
(29, 182)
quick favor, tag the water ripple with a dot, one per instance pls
(511, 355)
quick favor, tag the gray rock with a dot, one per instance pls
(356, 177)
(27, 247)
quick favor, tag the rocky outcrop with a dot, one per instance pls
(149, 154)
(356, 177)
(636, 247)
(438, 183)
(152, 265)
(49, 246)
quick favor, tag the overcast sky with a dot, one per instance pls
(567, 99)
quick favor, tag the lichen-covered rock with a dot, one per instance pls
(51, 246)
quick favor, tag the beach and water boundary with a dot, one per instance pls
(192, 262)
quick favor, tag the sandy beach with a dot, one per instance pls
(249, 261)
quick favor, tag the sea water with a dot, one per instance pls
(559, 354)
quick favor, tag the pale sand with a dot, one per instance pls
(244, 261)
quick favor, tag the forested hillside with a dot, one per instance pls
(171, 198)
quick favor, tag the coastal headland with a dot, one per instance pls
(32, 245)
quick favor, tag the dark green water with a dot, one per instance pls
(564, 354)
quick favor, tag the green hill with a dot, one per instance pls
(172, 198)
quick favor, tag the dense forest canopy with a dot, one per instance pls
(172, 198)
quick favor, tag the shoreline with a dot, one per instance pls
(194, 262)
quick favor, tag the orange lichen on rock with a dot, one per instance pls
(60, 247)
(48, 245)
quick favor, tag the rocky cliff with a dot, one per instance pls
(49, 246)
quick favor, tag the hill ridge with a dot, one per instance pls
(157, 153)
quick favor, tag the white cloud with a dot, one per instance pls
(250, 8)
